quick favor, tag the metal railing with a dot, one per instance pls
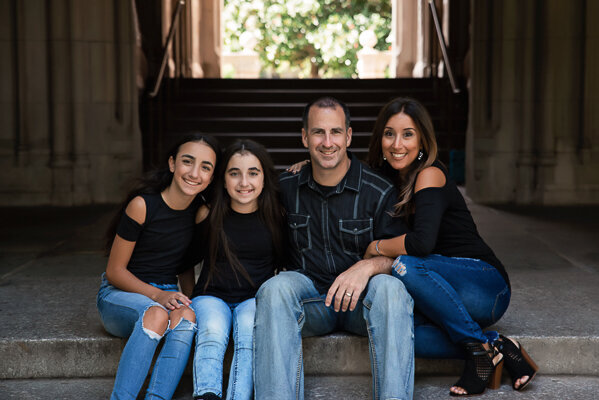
(169, 41)
(441, 38)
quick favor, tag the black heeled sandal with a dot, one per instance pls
(517, 361)
(482, 369)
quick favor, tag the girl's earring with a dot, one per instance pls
(420, 155)
(384, 158)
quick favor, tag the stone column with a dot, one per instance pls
(531, 92)
(422, 68)
(403, 51)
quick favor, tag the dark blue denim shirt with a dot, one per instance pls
(330, 233)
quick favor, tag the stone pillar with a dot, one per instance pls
(422, 67)
(71, 106)
(532, 90)
(195, 51)
(403, 51)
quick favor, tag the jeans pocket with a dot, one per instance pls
(300, 230)
(356, 235)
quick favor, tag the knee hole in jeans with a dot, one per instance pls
(155, 322)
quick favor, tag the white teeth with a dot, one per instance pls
(399, 156)
(191, 183)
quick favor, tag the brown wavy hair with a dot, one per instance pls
(428, 143)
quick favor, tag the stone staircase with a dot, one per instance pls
(270, 111)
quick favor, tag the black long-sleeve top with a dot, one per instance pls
(442, 224)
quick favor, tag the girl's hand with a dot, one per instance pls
(172, 300)
(371, 250)
(295, 168)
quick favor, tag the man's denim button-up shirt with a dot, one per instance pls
(328, 233)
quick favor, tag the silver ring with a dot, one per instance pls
(348, 294)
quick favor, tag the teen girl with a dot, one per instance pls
(245, 239)
(139, 297)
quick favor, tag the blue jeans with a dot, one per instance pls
(455, 298)
(289, 307)
(215, 318)
(122, 315)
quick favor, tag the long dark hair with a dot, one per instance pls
(157, 180)
(270, 210)
(424, 125)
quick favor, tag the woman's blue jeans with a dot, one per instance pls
(215, 320)
(454, 299)
(122, 315)
(289, 307)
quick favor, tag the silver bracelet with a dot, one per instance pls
(376, 246)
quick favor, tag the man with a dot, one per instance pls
(336, 206)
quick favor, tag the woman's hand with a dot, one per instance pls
(371, 250)
(295, 168)
(172, 300)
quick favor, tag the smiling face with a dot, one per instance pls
(244, 181)
(327, 139)
(401, 142)
(193, 168)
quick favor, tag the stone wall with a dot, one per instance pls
(68, 101)
(533, 135)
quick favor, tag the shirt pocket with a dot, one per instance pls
(356, 235)
(300, 231)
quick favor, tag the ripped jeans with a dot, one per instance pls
(122, 315)
(454, 299)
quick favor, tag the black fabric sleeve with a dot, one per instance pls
(197, 247)
(430, 204)
(128, 228)
(385, 225)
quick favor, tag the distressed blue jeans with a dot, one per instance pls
(216, 319)
(122, 315)
(454, 299)
(288, 307)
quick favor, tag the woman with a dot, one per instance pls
(245, 230)
(456, 280)
(138, 297)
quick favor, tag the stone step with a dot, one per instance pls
(544, 387)
(335, 354)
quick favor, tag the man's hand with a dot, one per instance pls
(353, 282)
(346, 289)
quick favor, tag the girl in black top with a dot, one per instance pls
(245, 239)
(139, 297)
(458, 284)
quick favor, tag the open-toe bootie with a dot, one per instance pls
(481, 370)
(517, 361)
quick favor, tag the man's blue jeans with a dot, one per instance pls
(215, 320)
(289, 307)
(454, 299)
(122, 315)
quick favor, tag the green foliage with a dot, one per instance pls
(309, 37)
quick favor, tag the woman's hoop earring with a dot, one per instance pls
(420, 155)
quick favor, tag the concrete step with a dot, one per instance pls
(545, 387)
(50, 264)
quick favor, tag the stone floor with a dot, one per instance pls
(52, 344)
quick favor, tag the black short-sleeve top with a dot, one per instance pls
(161, 241)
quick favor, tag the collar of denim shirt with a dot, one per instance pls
(352, 179)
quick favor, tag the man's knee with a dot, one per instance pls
(278, 287)
(388, 288)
